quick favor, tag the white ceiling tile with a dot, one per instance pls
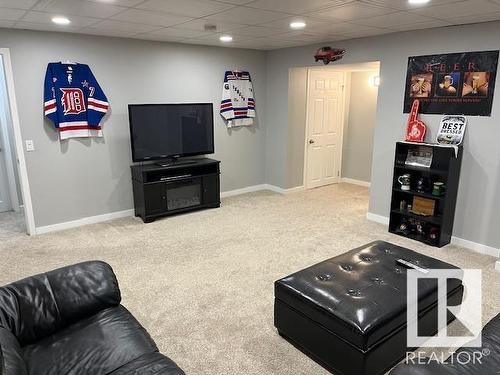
(347, 27)
(115, 33)
(172, 32)
(191, 8)
(495, 16)
(234, 2)
(17, 4)
(79, 8)
(295, 6)
(249, 16)
(299, 36)
(123, 3)
(460, 9)
(405, 5)
(311, 23)
(11, 14)
(150, 18)
(420, 25)
(215, 37)
(360, 33)
(394, 19)
(199, 24)
(7, 24)
(351, 11)
(45, 27)
(122, 28)
(256, 31)
(46, 18)
(158, 38)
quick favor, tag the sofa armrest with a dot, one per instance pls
(37, 306)
(11, 356)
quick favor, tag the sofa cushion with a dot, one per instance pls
(96, 345)
(35, 307)
(150, 364)
(361, 295)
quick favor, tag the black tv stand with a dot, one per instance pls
(174, 188)
(172, 162)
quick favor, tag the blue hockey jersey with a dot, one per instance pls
(74, 101)
(237, 104)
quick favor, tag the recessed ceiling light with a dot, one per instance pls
(418, 2)
(61, 20)
(297, 25)
(226, 38)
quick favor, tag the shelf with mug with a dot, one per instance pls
(419, 194)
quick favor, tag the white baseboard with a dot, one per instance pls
(254, 188)
(377, 218)
(248, 189)
(355, 182)
(477, 247)
(84, 221)
(280, 190)
(470, 245)
(497, 265)
(126, 213)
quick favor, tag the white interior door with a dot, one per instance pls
(325, 107)
(5, 204)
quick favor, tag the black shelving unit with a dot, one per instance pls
(445, 167)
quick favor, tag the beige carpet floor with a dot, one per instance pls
(202, 283)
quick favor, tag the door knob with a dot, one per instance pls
(311, 141)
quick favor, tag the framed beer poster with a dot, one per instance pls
(453, 83)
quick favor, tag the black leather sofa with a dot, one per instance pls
(70, 321)
(460, 363)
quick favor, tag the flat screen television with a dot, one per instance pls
(160, 131)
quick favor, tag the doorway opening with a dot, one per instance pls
(16, 215)
(338, 121)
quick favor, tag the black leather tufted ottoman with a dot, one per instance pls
(349, 312)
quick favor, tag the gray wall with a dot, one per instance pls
(478, 208)
(79, 178)
(357, 148)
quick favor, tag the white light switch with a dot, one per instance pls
(30, 146)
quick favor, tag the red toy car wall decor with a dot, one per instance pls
(327, 54)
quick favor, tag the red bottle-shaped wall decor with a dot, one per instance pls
(415, 131)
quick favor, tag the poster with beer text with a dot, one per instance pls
(453, 83)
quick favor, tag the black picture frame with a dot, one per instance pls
(453, 84)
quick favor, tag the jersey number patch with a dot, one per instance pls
(73, 101)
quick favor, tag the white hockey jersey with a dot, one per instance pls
(238, 104)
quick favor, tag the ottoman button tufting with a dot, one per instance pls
(346, 267)
(366, 258)
(324, 277)
(377, 280)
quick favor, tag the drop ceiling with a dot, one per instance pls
(257, 24)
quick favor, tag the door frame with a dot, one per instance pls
(341, 135)
(18, 142)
